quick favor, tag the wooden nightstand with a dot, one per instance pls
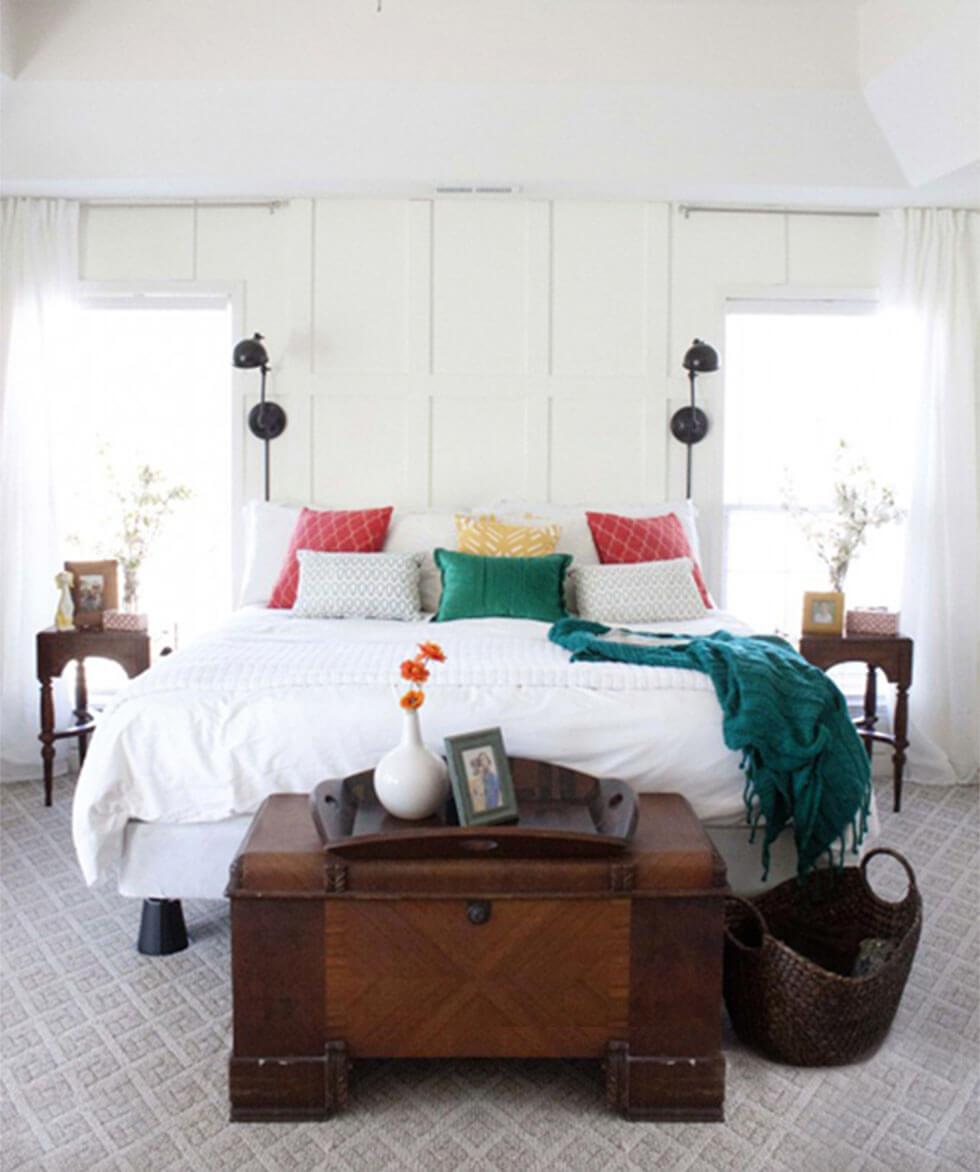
(893, 655)
(55, 650)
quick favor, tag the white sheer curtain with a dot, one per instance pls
(931, 274)
(39, 266)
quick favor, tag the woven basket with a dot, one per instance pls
(788, 958)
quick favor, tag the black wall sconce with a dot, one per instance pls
(690, 424)
(266, 420)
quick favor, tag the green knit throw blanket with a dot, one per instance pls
(803, 759)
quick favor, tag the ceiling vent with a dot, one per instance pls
(478, 189)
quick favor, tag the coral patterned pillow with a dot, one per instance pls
(643, 539)
(337, 531)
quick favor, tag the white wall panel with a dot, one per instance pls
(479, 288)
(447, 352)
(271, 253)
(713, 256)
(370, 450)
(601, 276)
(361, 286)
(833, 250)
(598, 450)
(481, 449)
(137, 244)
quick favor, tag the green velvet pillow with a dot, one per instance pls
(475, 587)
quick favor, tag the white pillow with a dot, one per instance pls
(268, 528)
(422, 533)
(357, 586)
(638, 592)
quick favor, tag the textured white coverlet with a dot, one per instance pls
(269, 703)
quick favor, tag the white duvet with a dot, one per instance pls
(271, 703)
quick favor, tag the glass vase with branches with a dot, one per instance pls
(146, 502)
(860, 506)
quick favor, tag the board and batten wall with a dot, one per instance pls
(443, 352)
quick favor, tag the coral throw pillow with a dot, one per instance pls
(643, 539)
(337, 531)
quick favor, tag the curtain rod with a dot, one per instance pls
(271, 204)
(687, 208)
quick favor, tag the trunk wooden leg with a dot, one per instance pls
(671, 1066)
(273, 1090)
(680, 1090)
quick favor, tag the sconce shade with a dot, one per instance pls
(250, 353)
(701, 358)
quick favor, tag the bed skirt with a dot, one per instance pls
(171, 860)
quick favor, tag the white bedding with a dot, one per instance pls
(271, 703)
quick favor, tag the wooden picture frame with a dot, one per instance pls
(94, 589)
(823, 613)
(480, 773)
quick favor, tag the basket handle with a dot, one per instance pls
(756, 914)
(910, 874)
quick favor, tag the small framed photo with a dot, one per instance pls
(823, 614)
(480, 773)
(95, 589)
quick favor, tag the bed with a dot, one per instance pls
(270, 703)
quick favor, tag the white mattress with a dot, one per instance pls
(270, 703)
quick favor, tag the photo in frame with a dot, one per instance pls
(823, 613)
(95, 588)
(480, 773)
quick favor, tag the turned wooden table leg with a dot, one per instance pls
(82, 714)
(870, 707)
(47, 737)
(901, 740)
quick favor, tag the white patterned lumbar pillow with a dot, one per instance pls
(357, 586)
(638, 592)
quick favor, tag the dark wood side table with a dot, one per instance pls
(893, 655)
(55, 650)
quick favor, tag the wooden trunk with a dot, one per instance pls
(617, 959)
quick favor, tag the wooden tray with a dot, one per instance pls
(562, 814)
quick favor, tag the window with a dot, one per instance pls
(799, 378)
(154, 388)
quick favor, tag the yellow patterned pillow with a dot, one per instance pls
(488, 537)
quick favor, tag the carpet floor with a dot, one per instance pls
(112, 1060)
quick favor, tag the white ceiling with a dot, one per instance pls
(759, 101)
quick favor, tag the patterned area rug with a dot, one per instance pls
(111, 1060)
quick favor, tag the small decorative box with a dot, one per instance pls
(122, 620)
(875, 620)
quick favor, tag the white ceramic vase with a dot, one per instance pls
(410, 781)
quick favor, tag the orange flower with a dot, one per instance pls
(415, 670)
(413, 698)
(433, 651)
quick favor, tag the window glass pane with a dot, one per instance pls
(154, 389)
(799, 380)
